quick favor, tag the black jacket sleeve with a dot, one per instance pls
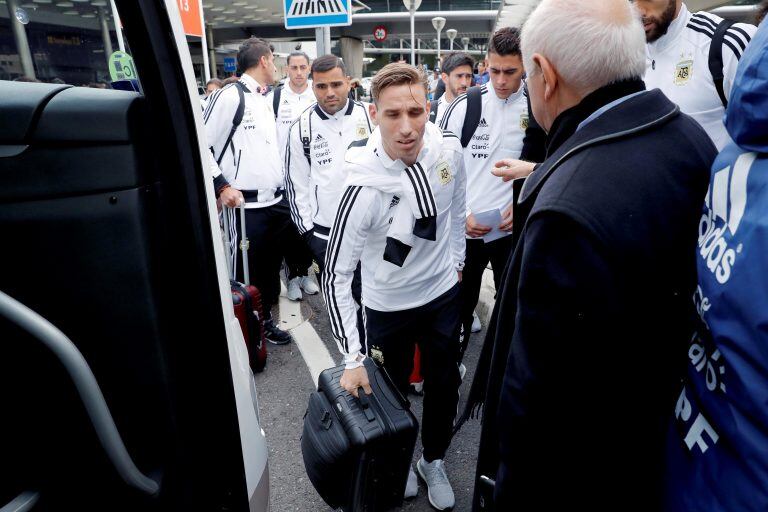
(534, 142)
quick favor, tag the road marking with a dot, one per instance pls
(312, 348)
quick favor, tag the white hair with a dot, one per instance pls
(591, 43)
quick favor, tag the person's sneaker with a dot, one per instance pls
(462, 371)
(275, 335)
(476, 325)
(438, 487)
(294, 289)
(412, 485)
(308, 285)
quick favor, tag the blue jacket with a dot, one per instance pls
(718, 445)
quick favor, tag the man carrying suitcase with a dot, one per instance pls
(402, 215)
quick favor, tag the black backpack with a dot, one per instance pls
(716, 58)
(472, 117)
(236, 120)
(276, 98)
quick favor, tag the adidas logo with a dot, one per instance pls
(395, 202)
(725, 205)
(482, 124)
(318, 138)
(285, 101)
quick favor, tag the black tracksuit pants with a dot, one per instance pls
(391, 337)
(270, 233)
(478, 255)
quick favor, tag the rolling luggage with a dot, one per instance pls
(246, 300)
(357, 451)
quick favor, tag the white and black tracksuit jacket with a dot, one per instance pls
(678, 64)
(314, 182)
(251, 161)
(499, 135)
(363, 230)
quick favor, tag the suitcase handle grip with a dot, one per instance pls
(365, 403)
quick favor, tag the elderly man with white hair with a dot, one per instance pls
(594, 316)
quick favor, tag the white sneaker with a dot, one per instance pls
(439, 488)
(462, 371)
(294, 289)
(476, 325)
(412, 486)
(308, 285)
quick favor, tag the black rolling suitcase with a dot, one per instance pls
(357, 452)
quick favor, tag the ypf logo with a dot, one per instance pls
(725, 205)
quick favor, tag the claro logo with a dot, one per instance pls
(724, 208)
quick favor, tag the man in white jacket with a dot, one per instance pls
(402, 216)
(245, 163)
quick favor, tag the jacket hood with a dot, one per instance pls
(746, 117)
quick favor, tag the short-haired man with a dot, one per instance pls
(246, 165)
(499, 134)
(680, 60)
(482, 76)
(287, 102)
(457, 77)
(595, 314)
(402, 216)
(314, 155)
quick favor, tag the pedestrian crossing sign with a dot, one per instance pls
(317, 13)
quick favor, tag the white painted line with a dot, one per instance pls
(312, 348)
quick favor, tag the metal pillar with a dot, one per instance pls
(118, 30)
(211, 52)
(204, 47)
(413, 32)
(20, 37)
(105, 34)
(323, 40)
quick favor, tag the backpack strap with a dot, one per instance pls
(716, 58)
(236, 120)
(472, 117)
(305, 131)
(433, 112)
(276, 98)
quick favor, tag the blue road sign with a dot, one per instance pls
(230, 65)
(317, 13)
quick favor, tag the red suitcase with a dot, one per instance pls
(247, 300)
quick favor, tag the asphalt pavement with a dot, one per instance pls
(283, 390)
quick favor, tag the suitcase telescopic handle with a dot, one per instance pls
(243, 246)
(365, 404)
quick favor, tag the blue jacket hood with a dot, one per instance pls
(746, 118)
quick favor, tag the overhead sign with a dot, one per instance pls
(190, 17)
(121, 67)
(317, 13)
(230, 64)
(380, 33)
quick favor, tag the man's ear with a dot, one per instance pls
(549, 75)
(372, 112)
(444, 77)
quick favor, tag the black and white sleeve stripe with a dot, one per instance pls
(424, 197)
(736, 38)
(290, 189)
(335, 243)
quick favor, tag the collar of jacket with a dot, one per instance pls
(635, 115)
(349, 106)
(568, 121)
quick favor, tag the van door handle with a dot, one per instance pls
(87, 387)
